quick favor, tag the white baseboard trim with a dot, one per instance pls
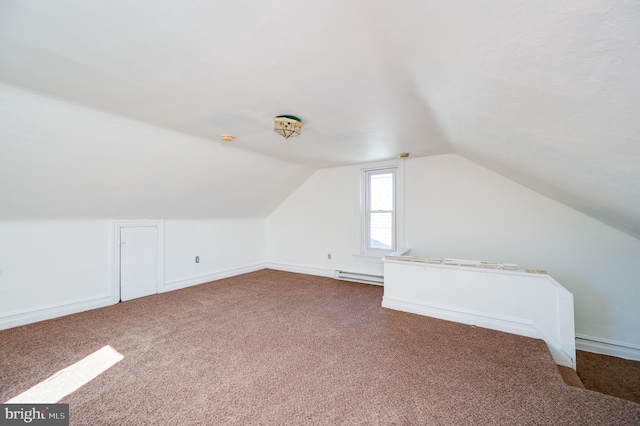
(602, 346)
(517, 326)
(300, 269)
(480, 319)
(28, 316)
(201, 279)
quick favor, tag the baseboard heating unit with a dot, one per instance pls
(359, 278)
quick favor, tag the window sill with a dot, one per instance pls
(370, 258)
(379, 258)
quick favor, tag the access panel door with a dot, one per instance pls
(138, 261)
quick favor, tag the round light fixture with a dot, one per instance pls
(404, 155)
(227, 138)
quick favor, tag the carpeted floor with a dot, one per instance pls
(273, 347)
(609, 375)
(571, 377)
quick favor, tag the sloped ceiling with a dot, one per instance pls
(63, 161)
(545, 93)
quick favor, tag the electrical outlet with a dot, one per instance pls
(197, 259)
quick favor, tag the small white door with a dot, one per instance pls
(138, 261)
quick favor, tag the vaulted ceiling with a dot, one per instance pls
(545, 93)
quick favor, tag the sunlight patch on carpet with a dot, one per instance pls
(70, 379)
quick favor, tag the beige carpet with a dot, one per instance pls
(571, 377)
(279, 348)
(610, 375)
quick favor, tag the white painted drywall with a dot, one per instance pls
(544, 92)
(456, 208)
(318, 219)
(222, 245)
(53, 268)
(63, 161)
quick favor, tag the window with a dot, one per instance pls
(380, 203)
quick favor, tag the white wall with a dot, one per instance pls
(319, 218)
(53, 268)
(455, 208)
(225, 247)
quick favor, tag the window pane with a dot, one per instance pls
(382, 192)
(381, 235)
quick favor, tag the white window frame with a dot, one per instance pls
(364, 252)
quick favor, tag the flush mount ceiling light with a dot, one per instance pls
(227, 138)
(287, 126)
